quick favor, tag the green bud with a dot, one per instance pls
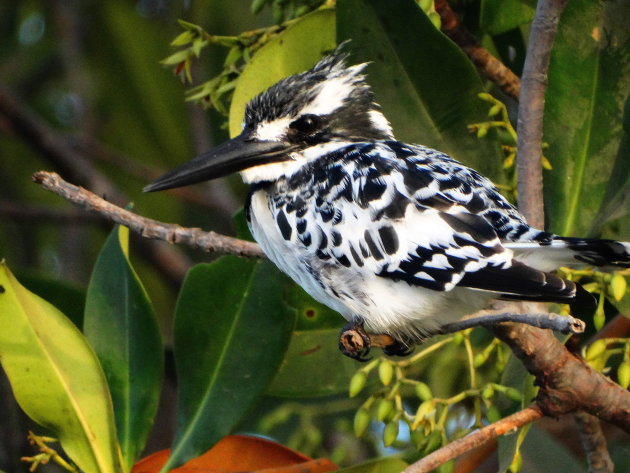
(423, 409)
(488, 392)
(482, 131)
(385, 372)
(599, 318)
(494, 110)
(257, 6)
(516, 464)
(390, 433)
(418, 439)
(425, 5)
(357, 383)
(458, 338)
(513, 394)
(435, 19)
(618, 286)
(479, 360)
(485, 96)
(361, 422)
(435, 440)
(595, 350)
(623, 374)
(423, 392)
(383, 409)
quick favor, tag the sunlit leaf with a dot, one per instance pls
(588, 87)
(120, 324)
(56, 377)
(232, 329)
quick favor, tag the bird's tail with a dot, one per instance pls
(550, 254)
(598, 252)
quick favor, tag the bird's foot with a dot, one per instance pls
(356, 343)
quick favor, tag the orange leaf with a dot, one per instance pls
(238, 453)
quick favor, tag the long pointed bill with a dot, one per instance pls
(235, 155)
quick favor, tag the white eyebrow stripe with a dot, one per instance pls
(274, 130)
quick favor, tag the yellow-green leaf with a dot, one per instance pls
(56, 377)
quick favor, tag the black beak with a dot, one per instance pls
(235, 155)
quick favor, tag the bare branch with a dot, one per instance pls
(489, 65)
(594, 443)
(146, 227)
(474, 440)
(531, 110)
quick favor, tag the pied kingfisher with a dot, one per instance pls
(400, 238)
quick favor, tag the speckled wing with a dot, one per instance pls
(411, 214)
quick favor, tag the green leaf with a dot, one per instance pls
(588, 86)
(306, 368)
(381, 465)
(56, 377)
(500, 16)
(120, 324)
(67, 298)
(294, 50)
(232, 329)
(426, 85)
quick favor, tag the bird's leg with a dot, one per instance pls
(556, 322)
(355, 342)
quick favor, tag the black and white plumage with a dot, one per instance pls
(399, 237)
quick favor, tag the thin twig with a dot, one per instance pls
(489, 65)
(594, 443)
(475, 439)
(531, 110)
(556, 322)
(146, 227)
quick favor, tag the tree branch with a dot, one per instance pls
(146, 227)
(531, 111)
(594, 443)
(567, 383)
(489, 65)
(475, 439)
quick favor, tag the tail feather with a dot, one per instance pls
(564, 251)
(599, 252)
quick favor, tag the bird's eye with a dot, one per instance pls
(306, 124)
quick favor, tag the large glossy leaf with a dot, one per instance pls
(120, 324)
(306, 369)
(239, 453)
(589, 82)
(232, 329)
(56, 377)
(296, 49)
(426, 85)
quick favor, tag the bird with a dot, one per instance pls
(400, 239)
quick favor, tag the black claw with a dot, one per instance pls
(398, 348)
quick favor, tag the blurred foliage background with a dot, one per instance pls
(83, 93)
